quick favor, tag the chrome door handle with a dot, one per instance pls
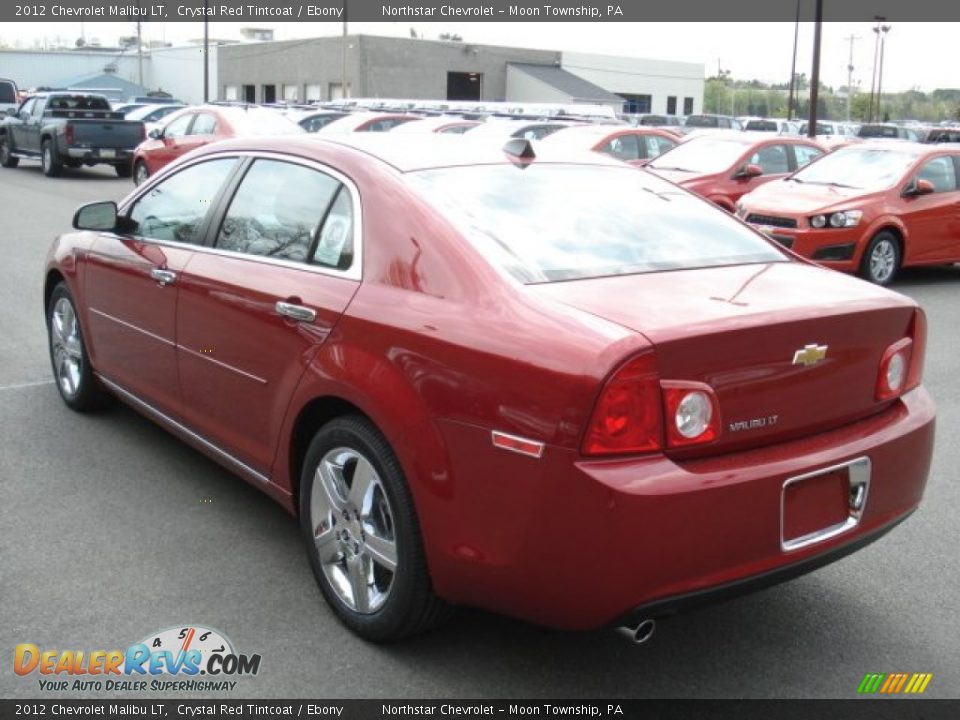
(296, 312)
(164, 277)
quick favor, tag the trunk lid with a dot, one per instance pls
(113, 134)
(739, 329)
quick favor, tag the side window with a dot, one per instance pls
(178, 128)
(941, 172)
(772, 159)
(204, 125)
(622, 147)
(805, 154)
(277, 210)
(335, 244)
(656, 146)
(175, 209)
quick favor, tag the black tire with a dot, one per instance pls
(6, 159)
(410, 607)
(881, 260)
(140, 172)
(124, 170)
(50, 159)
(88, 394)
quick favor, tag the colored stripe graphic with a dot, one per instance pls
(894, 683)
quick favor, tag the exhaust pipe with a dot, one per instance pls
(639, 633)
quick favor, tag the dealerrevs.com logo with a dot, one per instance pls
(187, 658)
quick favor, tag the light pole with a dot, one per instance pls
(815, 79)
(206, 54)
(876, 52)
(852, 38)
(793, 65)
(883, 42)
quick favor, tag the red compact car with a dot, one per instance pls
(194, 127)
(541, 383)
(869, 208)
(724, 165)
(635, 145)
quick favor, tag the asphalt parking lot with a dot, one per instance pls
(112, 529)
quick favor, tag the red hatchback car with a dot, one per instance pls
(194, 127)
(548, 385)
(724, 166)
(869, 208)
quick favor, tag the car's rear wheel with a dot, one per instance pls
(140, 172)
(7, 160)
(50, 159)
(71, 367)
(362, 534)
(881, 261)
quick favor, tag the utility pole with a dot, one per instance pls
(815, 80)
(793, 65)
(883, 42)
(206, 54)
(343, 55)
(852, 38)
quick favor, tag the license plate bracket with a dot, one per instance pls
(820, 505)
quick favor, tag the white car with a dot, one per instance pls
(152, 115)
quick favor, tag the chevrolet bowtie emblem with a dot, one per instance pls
(810, 355)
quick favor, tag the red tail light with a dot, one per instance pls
(901, 366)
(68, 131)
(627, 417)
(692, 413)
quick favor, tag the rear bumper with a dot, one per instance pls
(579, 544)
(97, 155)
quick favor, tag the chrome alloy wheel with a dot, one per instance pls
(883, 261)
(353, 530)
(67, 347)
(140, 174)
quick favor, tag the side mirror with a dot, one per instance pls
(155, 134)
(919, 187)
(749, 171)
(96, 216)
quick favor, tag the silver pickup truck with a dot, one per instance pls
(65, 129)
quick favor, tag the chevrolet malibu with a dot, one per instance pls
(548, 385)
(870, 208)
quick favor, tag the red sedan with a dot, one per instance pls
(635, 145)
(869, 208)
(724, 166)
(544, 384)
(194, 127)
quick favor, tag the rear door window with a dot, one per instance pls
(805, 154)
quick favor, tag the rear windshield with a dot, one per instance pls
(762, 126)
(618, 222)
(702, 121)
(8, 93)
(77, 102)
(877, 131)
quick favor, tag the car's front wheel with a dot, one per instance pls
(882, 258)
(71, 367)
(362, 535)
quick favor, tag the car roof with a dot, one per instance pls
(414, 152)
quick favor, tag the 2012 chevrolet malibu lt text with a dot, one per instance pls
(549, 385)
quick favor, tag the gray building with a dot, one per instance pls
(416, 68)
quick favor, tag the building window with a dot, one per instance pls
(671, 105)
(688, 106)
(291, 93)
(636, 103)
(231, 92)
(336, 93)
(313, 93)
